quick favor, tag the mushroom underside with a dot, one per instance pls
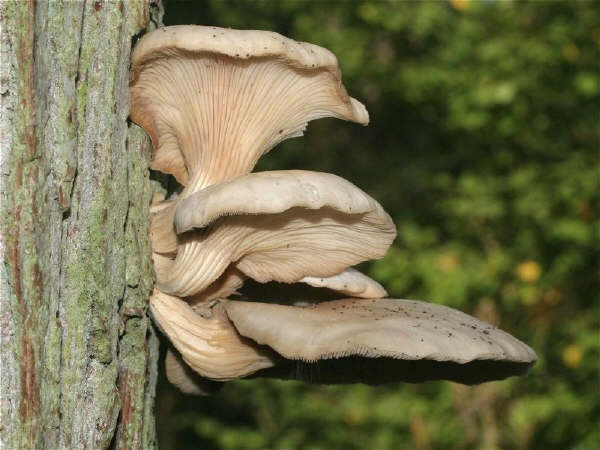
(381, 370)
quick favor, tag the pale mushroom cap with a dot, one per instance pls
(398, 329)
(211, 347)
(214, 100)
(350, 282)
(271, 192)
(347, 227)
(239, 44)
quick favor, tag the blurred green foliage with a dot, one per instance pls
(484, 147)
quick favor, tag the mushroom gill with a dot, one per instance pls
(209, 345)
(213, 100)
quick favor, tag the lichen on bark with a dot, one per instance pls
(78, 350)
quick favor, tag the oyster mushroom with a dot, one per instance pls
(380, 341)
(280, 225)
(213, 100)
(373, 341)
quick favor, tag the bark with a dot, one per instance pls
(78, 351)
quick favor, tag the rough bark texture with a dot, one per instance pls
(78, 351)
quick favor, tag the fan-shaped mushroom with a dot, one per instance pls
(382, 338)
(213, 100)
(280, 225)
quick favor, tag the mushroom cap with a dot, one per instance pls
(314, 224)
(350, 282)
(271, 192)
(210, 346)
(237, 44)
(214, 100)
(384, 329)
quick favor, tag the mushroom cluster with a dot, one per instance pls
(213, 101)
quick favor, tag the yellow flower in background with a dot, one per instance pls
(460, 4)
(572, 356)
(447, 262)
(353, 418)
(529, 271)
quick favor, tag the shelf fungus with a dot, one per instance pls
(276, 226)
(213, 101)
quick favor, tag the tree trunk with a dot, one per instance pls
(78, 351)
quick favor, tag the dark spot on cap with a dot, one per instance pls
(97, 6)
